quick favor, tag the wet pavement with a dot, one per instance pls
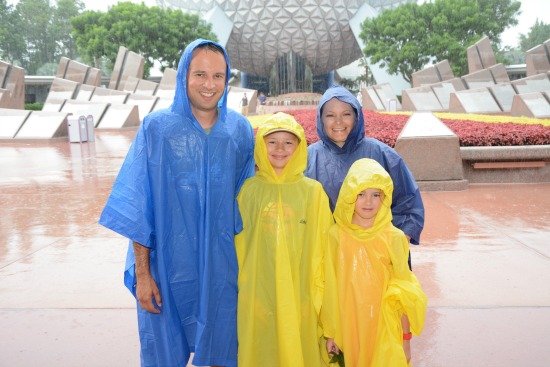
(484, 263)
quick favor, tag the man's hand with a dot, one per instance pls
(147, 292)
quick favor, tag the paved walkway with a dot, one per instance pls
(484, 264)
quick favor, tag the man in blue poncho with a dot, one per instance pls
(175, 200)
(341, 128)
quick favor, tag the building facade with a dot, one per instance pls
(286, 46)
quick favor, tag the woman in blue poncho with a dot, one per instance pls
(341, 128)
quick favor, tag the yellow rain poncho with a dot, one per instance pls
(280, 253)
(368, 282)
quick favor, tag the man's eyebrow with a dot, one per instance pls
(204, 71)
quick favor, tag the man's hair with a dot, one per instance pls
(210, 47)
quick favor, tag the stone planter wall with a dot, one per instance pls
(514, 164)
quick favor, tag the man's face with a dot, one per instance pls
(206, 80)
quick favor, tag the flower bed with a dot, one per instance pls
(472, 130)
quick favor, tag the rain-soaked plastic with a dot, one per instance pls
(329, 164)
(280, 253)
(368, 282)
(176, 194)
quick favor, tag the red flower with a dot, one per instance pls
(386, 128)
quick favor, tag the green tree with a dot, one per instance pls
(62, 28)
(34, 34)
(35, 17)
(12, 44)
(350, 85)
(538, 34)
(367, 78)
(159, 35)
(397, 38)
(405, 39)
(89, 36)
(497, 16)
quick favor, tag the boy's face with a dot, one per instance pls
(367, 205)
(280, 145)
(206, 80)
(338, 119)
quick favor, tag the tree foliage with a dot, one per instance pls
(538, 34)
(159, 35)
(349, 84)
(35, 17)
(367, 78)
(12, 43)
(405, 39)
(34, 33)
(396, 39)
(62, 28)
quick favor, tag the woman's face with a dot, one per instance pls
(338, 118)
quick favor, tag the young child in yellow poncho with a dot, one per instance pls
(280, 252)
(371, 297)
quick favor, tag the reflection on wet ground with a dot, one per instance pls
(484, 263)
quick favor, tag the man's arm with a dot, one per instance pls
(146, 287)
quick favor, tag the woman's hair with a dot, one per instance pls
(352, 107)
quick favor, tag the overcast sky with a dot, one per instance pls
(531, 10)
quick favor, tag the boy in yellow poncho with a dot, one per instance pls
(372, 301)
(280, 252)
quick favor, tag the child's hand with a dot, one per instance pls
(332, 348)
(406, 349)
(335, 353)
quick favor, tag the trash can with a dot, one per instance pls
(77, 129)
(90, 128)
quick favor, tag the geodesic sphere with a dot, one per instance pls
(264, 30)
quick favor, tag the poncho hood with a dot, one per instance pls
(295, 168)
(356, 134)
(364, 174)
(181, 104)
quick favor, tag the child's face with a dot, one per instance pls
(338, 119)
(281, 145)
(367, 205)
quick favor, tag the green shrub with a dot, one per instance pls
(34, 106)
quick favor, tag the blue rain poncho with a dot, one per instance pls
(280, 250)
(176, 194)
(368, 284)
(329, 164)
